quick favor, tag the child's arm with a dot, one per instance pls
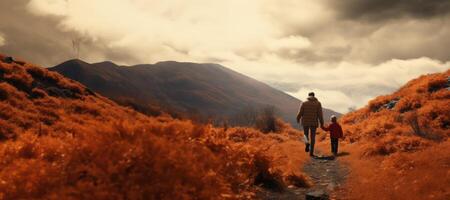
(326, 128)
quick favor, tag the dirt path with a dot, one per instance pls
(326, 173)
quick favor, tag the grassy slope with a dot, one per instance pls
(403, 152)
(59, 140)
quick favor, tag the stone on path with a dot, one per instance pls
(331, 186)
(317, 195)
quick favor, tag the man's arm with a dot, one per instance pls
(300, 113)
(320, 114)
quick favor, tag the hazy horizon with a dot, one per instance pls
(346, 51)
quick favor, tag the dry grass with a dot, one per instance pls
(59, 140)
(403, 152)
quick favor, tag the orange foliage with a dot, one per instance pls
(59, 140)
(420, 175)
(401, 152)
(425, 99)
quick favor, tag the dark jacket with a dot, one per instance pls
(335, 130)
(310, 113)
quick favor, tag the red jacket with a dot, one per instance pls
(335, 130)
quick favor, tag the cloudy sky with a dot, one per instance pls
(347, 51)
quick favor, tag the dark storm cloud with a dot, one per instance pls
(380, 10)
(335, 47)
(27, 37)
(39, 40)
(373, 31)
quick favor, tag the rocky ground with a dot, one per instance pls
(327, 175)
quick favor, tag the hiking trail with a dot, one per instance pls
(327, 175)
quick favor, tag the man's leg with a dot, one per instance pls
(336, 145)
(312, 140)
(306, 133)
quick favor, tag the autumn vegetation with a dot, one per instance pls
(399, 143)
(59, 140)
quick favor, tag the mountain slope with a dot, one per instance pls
(419, 109)
(59, 140)
(208, 90)
(399, 143)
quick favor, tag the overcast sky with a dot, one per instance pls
(347, 51)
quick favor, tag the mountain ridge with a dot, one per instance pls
(205, 89)
(89, 147)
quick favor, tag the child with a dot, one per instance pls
(335, 133)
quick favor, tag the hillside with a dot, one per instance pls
(399, 143)
(59, 140)
(199, 90)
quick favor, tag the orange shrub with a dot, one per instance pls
(429, 107)
(403, 152)
(61, 141)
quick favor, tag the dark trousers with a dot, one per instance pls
(312, 140)
(334, 145)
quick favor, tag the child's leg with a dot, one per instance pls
(334, 142)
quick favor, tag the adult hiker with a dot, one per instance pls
(311, 115)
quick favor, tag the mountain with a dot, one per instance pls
(208, 90)
(59, 140)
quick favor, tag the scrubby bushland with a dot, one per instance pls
(58, 140)
(264, 119)
(400, 142)
(420, 114)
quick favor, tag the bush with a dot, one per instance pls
(419, 111)
(435, 84)
(21, 81)
(266, 177)
(38, 93)
(266, 120)
(90, 148)
(408, 103)
(7, 130)
(377, 103)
